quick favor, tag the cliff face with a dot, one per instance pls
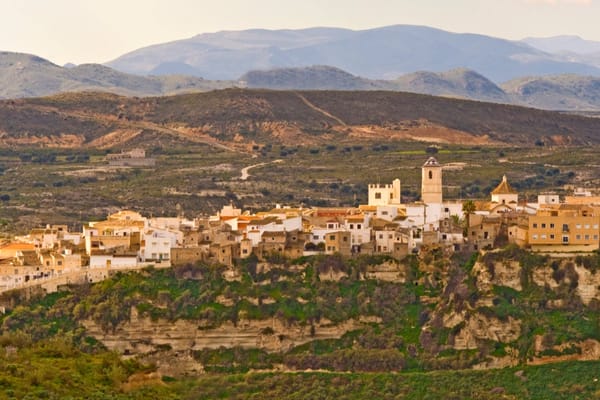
(143, 335)
(559, 287)
(435, 311)
(491, 308)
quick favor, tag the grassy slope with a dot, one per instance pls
(53, 370)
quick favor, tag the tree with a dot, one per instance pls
(468, 208)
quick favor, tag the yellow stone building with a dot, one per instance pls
(565, 227)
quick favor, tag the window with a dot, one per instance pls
(315, 237)
(578, 226)
(351, 226)
(595, 237)
(543, 237)
(543, 226)
(534, 225)
(587, 226)
(391, 196)
(345, 239)
(245, 251)
(332, 237)
(430, 175)
(552, 236)
(595, 226)
(578, 237)
(446, 209)
(587, 237)
(384, 213)
(378, 195)
(565, 239)
(390, 236)
(381, 236)
(535, 236)
(565, 228)
(551, 225)
(358, 226)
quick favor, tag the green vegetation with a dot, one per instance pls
(52, 370)
(74, 186)
(389, 356)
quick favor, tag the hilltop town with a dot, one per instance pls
(126, 240)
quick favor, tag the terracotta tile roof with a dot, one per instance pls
(504, 188)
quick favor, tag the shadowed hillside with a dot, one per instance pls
(263, 116)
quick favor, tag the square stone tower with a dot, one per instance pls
(431, 182)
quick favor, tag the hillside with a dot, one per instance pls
(241, 117)
(379, 53)
(361, 315)
(24, 75)
(559, 92)
(318, 77)
(459, 83)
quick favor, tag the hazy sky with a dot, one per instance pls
(82, 31)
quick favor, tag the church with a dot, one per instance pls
(426, 213)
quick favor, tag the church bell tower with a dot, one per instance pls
(431, 182)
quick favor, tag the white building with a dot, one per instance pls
(157, 243)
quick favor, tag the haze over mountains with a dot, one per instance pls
(25, 75)
(380, 53)
(536, 72)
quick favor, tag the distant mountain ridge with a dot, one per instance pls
(555, 92)
(25, 75)
(379, 53)
(458, 83)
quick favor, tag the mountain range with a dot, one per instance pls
(541, 70)
(30, 76)
(380, 53)
(24, 75)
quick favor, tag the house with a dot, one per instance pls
(287, 244)
(565, 227)
(133, 158)
(360, 231)
(338, 242)
(483, 230)
(157, 243)
(384, 236)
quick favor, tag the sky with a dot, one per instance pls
(98, 31)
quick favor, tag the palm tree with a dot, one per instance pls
(468, 208)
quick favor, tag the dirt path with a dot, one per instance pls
(245, 170)
(320, 110)
(134, 128)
